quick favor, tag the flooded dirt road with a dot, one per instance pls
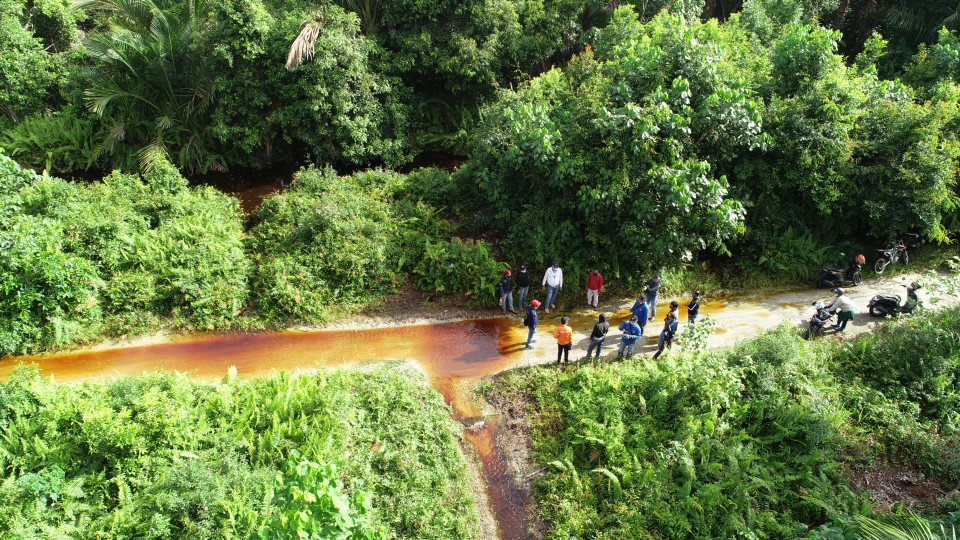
(454, 355)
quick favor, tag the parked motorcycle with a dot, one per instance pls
(818, 321)
(831, 276)
(883, 305)
(886, 257)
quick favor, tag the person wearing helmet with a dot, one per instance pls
(531, 321)
(822, 315)
(844, 306)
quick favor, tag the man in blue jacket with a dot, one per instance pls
(531, 321)
(628, 339)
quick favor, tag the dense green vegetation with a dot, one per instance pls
(756, 441)
(115, 257)
(761, 137)
(632, 139)
(331, 455)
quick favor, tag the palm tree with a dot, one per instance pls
(922, 19)
(149, 81)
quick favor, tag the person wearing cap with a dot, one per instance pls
(598, 335)
(594, 287)
(693, 308)
(553, 282)
(523, 285)
(505, 287)
(843, 305)
(651, 294)
(531, 321)
(564, 337)
(629, 336)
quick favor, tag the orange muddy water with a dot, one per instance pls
(455, 356)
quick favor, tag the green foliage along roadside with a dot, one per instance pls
(334, 242)
(362, 455)
(754, 441)
(115, 256)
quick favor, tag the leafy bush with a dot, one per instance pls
(162, 248)
(327, 241)
(121, 251)
(164, 456)
(57, 142)
(793, 256)
(459, 267)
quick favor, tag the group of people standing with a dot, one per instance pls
(631, 330)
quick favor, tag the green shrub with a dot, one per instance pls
(328, 241)
(459, 267)
(162, 247)
(57, 142)
(48, 294)
(164, 456)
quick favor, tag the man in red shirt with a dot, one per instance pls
(594, 286)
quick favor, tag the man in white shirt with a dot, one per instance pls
(553, 281)
(842, 304)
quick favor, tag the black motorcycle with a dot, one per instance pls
(831, 276)
(886, 257)
(817, 322)
(883, 305)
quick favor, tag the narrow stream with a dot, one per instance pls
(454, 355)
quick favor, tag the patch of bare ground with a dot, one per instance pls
(891, 485)
(408, 307)
(515, 445)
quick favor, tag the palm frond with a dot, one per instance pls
(152, 155)
(302, 48)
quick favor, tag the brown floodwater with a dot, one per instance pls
(454, 355)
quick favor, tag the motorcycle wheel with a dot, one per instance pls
(857, 278)
(880, 265)
(877, 312)
(906, 258)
